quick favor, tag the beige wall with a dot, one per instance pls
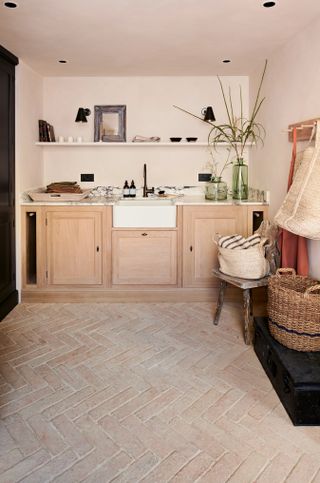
(292, 95)
(29, 95)
(150, 112)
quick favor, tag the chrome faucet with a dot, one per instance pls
(146, 190)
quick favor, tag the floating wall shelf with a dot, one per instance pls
(135, 145)
(110, 145)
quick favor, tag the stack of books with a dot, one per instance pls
(46, 132)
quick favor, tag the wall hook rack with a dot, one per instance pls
(304, 129)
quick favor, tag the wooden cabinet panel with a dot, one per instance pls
(200, 225)
(74, 247)
(144, 257)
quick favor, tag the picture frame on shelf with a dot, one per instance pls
(110, 123)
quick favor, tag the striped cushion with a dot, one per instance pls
(239, 242)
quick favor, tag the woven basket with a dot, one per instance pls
(250, 263)
(294, 310)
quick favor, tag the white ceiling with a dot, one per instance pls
(149, 37)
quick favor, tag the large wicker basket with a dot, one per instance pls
(294, 310)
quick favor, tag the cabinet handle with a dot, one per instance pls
(144, 234)
(191, 248)
(98, 249)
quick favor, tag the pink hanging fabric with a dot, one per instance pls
(294, 248)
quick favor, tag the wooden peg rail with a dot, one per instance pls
(304, 129)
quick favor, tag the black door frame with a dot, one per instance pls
(8, 62)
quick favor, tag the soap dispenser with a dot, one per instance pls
(126, 190)
(132, 190)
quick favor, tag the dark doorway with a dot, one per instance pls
(8, 292)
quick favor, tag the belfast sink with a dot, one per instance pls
(145, 201)
(144, 213)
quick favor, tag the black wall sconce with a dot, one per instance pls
(208, 114)
(82, 114)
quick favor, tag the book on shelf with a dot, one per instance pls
(51, 134)
(46, 132)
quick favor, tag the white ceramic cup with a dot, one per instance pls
(79, 139)
(61, 139)
(70, 139)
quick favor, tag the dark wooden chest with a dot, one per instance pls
(295, 376)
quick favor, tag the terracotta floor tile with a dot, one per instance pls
(141, 392)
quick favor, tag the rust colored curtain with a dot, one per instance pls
(294, 248)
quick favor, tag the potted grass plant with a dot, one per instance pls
(238, 132)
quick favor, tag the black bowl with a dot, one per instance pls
(191, 140)
(175, 140)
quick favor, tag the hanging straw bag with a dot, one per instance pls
(294, 310)
(300, 211)
(250, 263)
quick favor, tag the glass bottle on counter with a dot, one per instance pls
(132, 190)
(126, 190)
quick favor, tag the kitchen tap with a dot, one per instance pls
(146, 190)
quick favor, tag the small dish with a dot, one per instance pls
(175, 140)
(191, 140)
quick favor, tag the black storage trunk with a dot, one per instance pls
(295, 376)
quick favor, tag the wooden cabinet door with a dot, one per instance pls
(74, 248)
(200, 225)
(144, 257)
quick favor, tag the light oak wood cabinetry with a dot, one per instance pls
(66, 247)
(200, 226)
(144, 257)
(72, 253)
(74, 247)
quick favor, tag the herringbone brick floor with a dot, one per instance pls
(141, 392)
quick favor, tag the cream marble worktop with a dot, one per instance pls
(103, 201)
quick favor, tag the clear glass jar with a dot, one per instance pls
(240, 180)
(216, 190)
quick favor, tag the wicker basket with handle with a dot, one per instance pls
(250, 263)
(294, 310)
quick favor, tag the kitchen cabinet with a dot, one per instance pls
(74, 247)
(65, 247)
(72, 253)
(144, 257)
(200, 226)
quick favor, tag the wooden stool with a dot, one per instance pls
(246, 285)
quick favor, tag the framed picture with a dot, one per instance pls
(110, 123)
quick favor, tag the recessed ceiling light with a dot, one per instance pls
(269, 4)
(10, 4)
(226, 61)
(63, 61)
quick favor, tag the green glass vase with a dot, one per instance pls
(240, 180)
(216, 190)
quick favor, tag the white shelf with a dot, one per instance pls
(134, 145)
(110, 145)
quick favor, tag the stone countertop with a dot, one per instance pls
(95, 201)
(201, 200)
(103, 201)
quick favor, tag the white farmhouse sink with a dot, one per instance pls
(144, 213)
(145, 202)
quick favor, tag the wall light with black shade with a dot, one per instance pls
(208, 114)
(82, 114)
